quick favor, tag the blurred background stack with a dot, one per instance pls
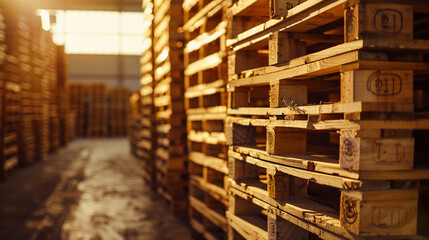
(96, 110)
(43, 125)
(170, 151)
(12, 88)
(26, 126)
(146, 144)
(63, 98)
(206, 100)
(54, 104)
(3, 57)
(119, 110)
(77, 96)
(29, 112)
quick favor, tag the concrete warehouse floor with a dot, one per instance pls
(92, 189)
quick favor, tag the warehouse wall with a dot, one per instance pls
(112, 69)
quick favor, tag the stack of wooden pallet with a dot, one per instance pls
(168, 101)
(147, 139)
(11, 90)
(134, 127)
(205, 58)
(136, 134)
(324, 139)
(97, 110)
(26, 129)
(119, 106)
(135, 105)
(71, 125)
(54, 118)
(3, 57)
(77, 98)
(27, 62)
(63, 98)
(43, 124)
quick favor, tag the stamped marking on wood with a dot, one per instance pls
(384, 84)
(382, 152)
(272, 225)
(388, 21)
(388, 217)
(350, 210)
(351, 24)
(349, 149)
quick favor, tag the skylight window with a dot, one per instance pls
(98, 32)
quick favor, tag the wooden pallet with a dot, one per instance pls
(10, 114)
(97, 110)
(11, 92)
(77, 94)
(118, 110)
(168, 102)
(43, 53)
(63, 98)
(54, 118)
(327, 101)
(147, 140)
(329, 204)
(26, 136)
(205, 56)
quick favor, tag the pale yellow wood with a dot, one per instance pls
(385, 20)
(208, 62)
(286, 141)
(377, 86)
(283, 47)
(375, 154)
(207, 137)
(208, 11)
(380, 213)
(282, 95)
(325, 109)
(206, 38)
(214, 163)
(206, 89)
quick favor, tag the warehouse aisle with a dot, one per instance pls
(93, 189)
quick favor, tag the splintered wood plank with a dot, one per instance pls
(354, 107)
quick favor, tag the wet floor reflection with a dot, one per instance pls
(99, 194)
